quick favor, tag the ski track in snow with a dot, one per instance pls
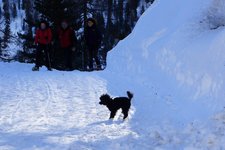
(55, 112)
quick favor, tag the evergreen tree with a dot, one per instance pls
(55, 11)
(133, 7)
(0, 40)
(19, 4)
(29, 21)
(28, 52)
(0, 46)
(149, 1)
(14, 10)
(23, 4)
(120, 15)
(116, 18)
(0, 11)
(142, 9)
(7, 31)
(109, 16)
(109, 39)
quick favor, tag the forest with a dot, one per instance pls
(115, 19)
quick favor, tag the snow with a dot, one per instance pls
(16, 25)
(53, 110)
(173, 62)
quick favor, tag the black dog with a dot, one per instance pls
(115, 104)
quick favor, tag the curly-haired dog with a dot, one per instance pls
(114, 104)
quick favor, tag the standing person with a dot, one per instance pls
(67, 40)
(93, 40)
(43, 40)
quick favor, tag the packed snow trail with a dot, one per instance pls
(53, 110)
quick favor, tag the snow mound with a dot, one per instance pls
(174, 62)
(174, 50)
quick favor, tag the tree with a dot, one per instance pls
(109, 26)
(19, 4)
(7, 31)
(14, 10)
(133, 4)
(109, 16)
(116, 19)
(55, 11)
(120, 16)
(1, 31)
(0, 12)
(149, 1)
(0, 46)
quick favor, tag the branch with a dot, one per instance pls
(11, 36)
(1, 22)
(6, 59)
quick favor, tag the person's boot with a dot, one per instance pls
(35, 68)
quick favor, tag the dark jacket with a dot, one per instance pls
(67, 37)
(93, 36)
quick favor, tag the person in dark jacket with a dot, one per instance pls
(93, 38)
(67, 40)
(43, 40)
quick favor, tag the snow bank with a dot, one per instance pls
(172, 50)
(174, 61)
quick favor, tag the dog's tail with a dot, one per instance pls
(130, 95)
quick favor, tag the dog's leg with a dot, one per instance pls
(125, 113)
(112, 114)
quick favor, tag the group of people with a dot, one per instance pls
(67, 42)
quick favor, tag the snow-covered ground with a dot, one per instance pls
(173, 62)
(54, 110)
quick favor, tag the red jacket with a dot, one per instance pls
(67, 38)
(43, 36)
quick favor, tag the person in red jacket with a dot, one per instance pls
(67, 41)
(43, 39)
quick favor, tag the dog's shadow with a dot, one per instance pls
(107, 122)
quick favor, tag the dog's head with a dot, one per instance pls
(105, 99)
